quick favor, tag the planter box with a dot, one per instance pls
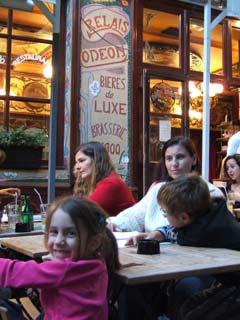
(18, 157)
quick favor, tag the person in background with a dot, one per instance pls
(10, 192)
(7, 192)
(96, 178)
(233, 147)
(233, 144)
(179, 156)
(232, 171)
(73, 282)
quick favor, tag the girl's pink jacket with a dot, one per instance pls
(75, 290)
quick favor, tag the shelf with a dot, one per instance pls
(165, 116)
(223, 139)
(225, 125)
(222, 153)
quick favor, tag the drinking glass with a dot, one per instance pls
(230, 201)
(44, 208)
(12, 212)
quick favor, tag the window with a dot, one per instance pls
(197, 47)
(25, 69)
(161, 38)
(236, 50)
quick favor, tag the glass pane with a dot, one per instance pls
(31, 116)
(29, 63)
(197, 47)
(3, 20)
(216, 62)
(220, 110)
(165, 114)
(163, 120)
(3, 47)
(32, 24)
(165, 96)
(2, 104)
(235, 52)
(195, 104)
(161, 38)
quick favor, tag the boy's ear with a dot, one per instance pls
(185, 218)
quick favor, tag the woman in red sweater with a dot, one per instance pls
(96, 178)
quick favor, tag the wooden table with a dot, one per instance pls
(173, 262)
(31, 246)
(5, 233)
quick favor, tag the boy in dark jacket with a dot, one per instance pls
(195, 218)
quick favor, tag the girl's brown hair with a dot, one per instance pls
(93, 217)
(102, 167)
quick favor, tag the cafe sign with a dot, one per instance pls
(29, 57)
(111, 20)
(103, 56)
(105, 46)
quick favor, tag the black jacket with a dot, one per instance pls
(217, 229)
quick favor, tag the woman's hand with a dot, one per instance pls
(234, 196)
(133, 241)
(47, 257)
(10, 192)
(112, 227)
(156, 235)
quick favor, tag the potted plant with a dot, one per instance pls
(23, 148)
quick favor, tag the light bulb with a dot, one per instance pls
(47, 71)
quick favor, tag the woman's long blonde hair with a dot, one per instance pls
(102, 167)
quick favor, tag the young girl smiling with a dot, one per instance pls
(74, 283)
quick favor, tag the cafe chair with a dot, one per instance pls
(29, 310)
(20, 308)
(3, 313)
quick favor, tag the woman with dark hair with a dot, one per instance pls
(96, 179)
(179, 156)
(162, 174)
(232, 171)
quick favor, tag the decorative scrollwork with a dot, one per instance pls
(162, 96)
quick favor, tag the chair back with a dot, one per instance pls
(3, 313)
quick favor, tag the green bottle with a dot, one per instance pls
(28, 214)
(22, 208)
